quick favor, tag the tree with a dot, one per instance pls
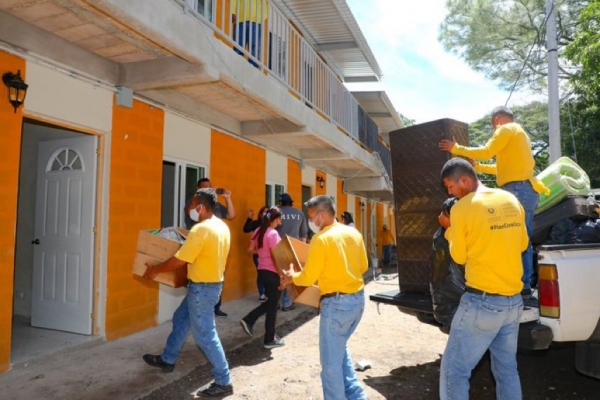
(405, 120)
(505, 39)
(584, 51)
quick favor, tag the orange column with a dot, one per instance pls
(10, 151)
(379, 224)
(134, 204)
(342, 200)
(240, 167)
(294, 182)
(321, 190)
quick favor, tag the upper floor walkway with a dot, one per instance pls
(272, 72)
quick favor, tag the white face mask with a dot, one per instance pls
(194, 214)
(313, 226)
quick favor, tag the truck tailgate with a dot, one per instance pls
(414, 301)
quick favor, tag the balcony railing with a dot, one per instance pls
(261, 33)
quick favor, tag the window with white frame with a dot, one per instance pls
(272, 193)
(202, 7)
(179, 183)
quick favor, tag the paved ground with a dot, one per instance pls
(115, 370)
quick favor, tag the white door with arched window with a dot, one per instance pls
(64, 239)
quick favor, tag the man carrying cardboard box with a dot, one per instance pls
(337, 259)
(205, 250)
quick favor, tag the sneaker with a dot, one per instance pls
(215, 390)
(276, 342)
(247, 327)
(262, 298)
(157, 361)
(220, 313)
(290, 308)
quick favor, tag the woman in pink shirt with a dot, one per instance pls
(262, 241)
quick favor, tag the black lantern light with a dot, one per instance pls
(17, 89)
(321, 181)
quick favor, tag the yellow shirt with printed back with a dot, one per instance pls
(205, 250)
(337, 259)
(487, 233)
(511, 146)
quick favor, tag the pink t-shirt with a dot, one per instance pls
(270, 240)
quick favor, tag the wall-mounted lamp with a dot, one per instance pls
(362, 206)
(17, 89)
(321, 181)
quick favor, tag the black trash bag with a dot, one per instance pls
(447, 278)
(570, 231)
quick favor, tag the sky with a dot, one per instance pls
(423, 81)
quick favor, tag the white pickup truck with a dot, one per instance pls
(569, 298)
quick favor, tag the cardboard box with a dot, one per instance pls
(153, 249)
(294, 252)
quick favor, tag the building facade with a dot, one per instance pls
(129, 103)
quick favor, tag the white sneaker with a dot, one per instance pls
(262, 298)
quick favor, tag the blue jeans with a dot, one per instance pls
(340, 316)
(248, 33)
(286, 300)
(387, 254)
(181, 328)
(529, 199)
(202, 298)
(482, 322)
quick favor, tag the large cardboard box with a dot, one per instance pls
(153, 249)
(294, 252)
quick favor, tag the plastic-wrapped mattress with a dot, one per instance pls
(563, 177)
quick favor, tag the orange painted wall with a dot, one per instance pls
(134, 204)
(241, 168)
(341, 201)
(318, 189)
(358, 213)
(10, 152)
(294, 182)
(379, 222)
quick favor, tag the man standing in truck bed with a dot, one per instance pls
(514, 166)
(486, 232)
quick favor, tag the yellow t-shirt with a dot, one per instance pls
(511, 146)
(205, 250)
(337, 259)
(387, 238)
(249, 10)
(487, 233)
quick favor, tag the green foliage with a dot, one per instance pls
(406, 121)
(505, 39)
(584, 51)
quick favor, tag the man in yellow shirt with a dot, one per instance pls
(387, 241)
(486, 232)
(337, 260)
(514, 166)
(205, 252)
(247, 17)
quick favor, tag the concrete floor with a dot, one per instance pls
(29, 343)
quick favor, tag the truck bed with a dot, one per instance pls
(414, 301)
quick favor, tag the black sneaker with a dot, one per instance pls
(290, 308)
(220, 313)
(215, 390)
(157, 361)
(247, 327)
(276, 342)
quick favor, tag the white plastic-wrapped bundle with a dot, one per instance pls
(563, 177)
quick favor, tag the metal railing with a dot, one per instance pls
(261, 33)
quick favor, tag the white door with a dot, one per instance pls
(63, 242)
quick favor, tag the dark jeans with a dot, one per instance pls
(259, 285)
(271, 282)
